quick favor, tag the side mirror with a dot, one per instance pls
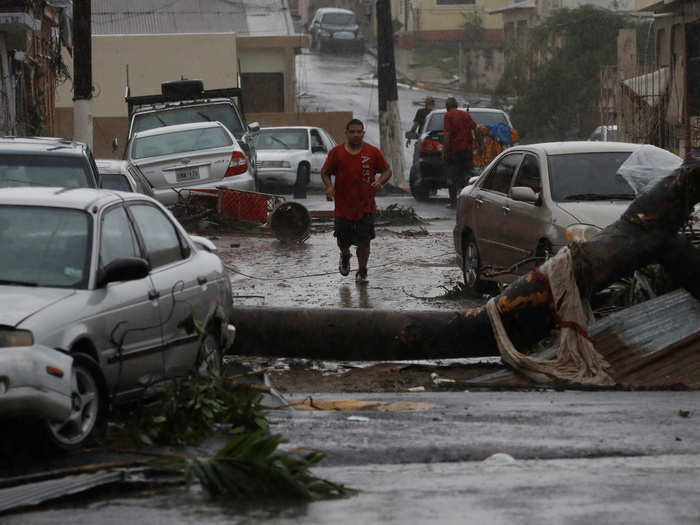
(318, 149)
(124, 269)
(254, 127)
(411, 135)
(203, 243)
(523, 193)
(115, 144)
(473, 179)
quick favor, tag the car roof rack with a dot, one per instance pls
(188, 95)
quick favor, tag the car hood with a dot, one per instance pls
(26, 301)
(280, 154)
(597, 213)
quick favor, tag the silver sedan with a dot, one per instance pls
(198, 155)
(94, 286)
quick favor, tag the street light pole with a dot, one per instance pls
(82, 71)
(391, 142)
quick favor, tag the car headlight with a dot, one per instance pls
(582, 232)
(9, 338)
(274, 164)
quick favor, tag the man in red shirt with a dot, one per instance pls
(458, 143)
(354, 163)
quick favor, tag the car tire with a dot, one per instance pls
(420, 192)
(210, 361)
(88, 418)
(471, 265)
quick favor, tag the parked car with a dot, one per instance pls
(121, 175)
(532, 200)
(183, 101)
(605, 132)
(290, 154)
(335, 29)
(46, 161)
(428, 172)
(187, 156)
(99, 282)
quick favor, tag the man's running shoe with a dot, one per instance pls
(361, 276)
(344, 264)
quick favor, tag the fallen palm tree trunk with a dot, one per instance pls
(646, 233)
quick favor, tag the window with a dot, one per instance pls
(118, 239)
(180, 142)
(162, 241)
(44, 170)
(316, 139)
(529, 174)
(282, 139)
(114, 181)
(588, 177)
(498, 179)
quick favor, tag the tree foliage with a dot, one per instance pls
(555, 76)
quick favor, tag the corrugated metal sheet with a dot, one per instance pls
(244, 17)
(655, 344)
(35, 493)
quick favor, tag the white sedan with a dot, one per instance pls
(198, 155)
(288, 154)
(94, 286)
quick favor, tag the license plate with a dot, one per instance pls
(187, 174)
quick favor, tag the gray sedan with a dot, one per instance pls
(532, 200)
(94, 285)
(177, 159)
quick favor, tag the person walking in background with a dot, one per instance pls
(422, 113)
(354, 164)
(458, 143)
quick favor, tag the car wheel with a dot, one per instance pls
(420, 192)
(471, 264)
(88, 417)
(211, 356)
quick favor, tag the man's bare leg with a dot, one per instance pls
(344, 264)
(362, 256)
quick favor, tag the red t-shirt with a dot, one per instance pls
(460, 125)
(353, 176)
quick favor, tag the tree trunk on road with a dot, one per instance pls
(647, 233)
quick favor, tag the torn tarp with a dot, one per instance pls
(647, 165)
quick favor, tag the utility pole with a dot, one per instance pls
(82, 71)
(391, 140)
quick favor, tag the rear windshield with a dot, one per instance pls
(588, 177)
(43, 246)
(485, 118)
(180, 142)
(224, 113)
(282, 139)
(114, 181)
(338, 19)
(45, 170)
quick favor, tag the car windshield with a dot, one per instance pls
(588, 176)
(224, 113)
(44, 170)
(179, 142)
(338, 19)
(44, 246)
(114, 181)
(282, 139)
(485, 118)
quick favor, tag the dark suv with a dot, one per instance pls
(46, 161)
(428, 171)
(337, 29)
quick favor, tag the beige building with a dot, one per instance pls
(225, 43)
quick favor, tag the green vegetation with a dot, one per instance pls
(397, 214)
(441, 56)
(555, 75)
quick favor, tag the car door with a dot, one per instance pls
(525, 222)
(129, 313)
(319, 152)
(181, 285)
(490, 203)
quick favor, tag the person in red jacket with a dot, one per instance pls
(354, 164)
(458, 143)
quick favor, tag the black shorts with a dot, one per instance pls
(459, 166)
(358, 232)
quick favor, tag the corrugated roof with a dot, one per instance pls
(244, 17)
